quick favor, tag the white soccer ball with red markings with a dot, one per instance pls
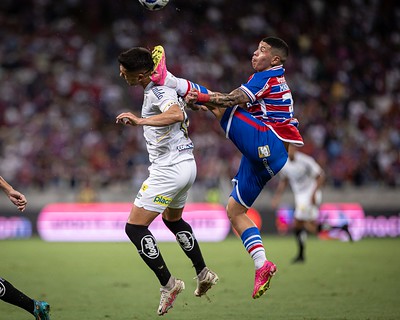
(153, 5)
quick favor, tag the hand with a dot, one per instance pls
(191, 97)
(18, 199)
(128, 118)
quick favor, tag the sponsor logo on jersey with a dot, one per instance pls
(143, 188)
(266, 165)
(149, 247)
(280, 79)
(264, 152)
(160, 199)
(2, 289)
(186, 240)
(159, 92)
(183, 147)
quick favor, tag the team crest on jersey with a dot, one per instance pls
(162, 200)
(143, 188)
(149, 247)
(186, 240)
(264, 152)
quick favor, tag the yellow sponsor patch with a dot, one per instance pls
(162, 200)
(263, 151)
(144, 187)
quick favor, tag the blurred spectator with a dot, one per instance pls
(59, 81)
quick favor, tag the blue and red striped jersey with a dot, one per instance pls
(271, 102)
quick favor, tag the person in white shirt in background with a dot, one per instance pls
(306, 178)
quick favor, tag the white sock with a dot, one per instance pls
(259, 259)
(251, 239)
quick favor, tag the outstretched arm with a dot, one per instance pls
(218, 99)
(225, 100)
(217, 102)
(15, 196)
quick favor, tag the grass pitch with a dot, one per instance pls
(109, 281)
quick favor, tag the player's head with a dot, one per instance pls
(135, 65)
(278, 47)
(271, 52)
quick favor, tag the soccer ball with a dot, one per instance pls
(153, 5)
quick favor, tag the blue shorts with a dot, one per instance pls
(263, 153)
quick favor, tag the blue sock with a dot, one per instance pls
(252, 241)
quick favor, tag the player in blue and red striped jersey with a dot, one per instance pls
(258, 118)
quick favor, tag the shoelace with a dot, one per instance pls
(165, 300)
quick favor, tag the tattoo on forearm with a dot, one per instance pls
(237, 96)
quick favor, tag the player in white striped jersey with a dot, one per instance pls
(171, 174)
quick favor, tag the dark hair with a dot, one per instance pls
(279, 45)
(136, 59)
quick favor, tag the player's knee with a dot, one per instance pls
(176, 226)
(228, 212)
(234, 215)
(136, 232)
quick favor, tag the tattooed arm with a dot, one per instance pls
(225, 100)
(217, 102)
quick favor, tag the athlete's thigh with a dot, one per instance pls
(255, 172)
(164, 184)
(254, 140)
(171, 214)
(141, 216)
(306, 211)
(298, 224)
(311, 226)
(243, 130)
(187, 174)
(249, 181)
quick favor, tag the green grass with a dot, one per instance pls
(109, 281)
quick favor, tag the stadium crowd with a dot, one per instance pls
(60, 88)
